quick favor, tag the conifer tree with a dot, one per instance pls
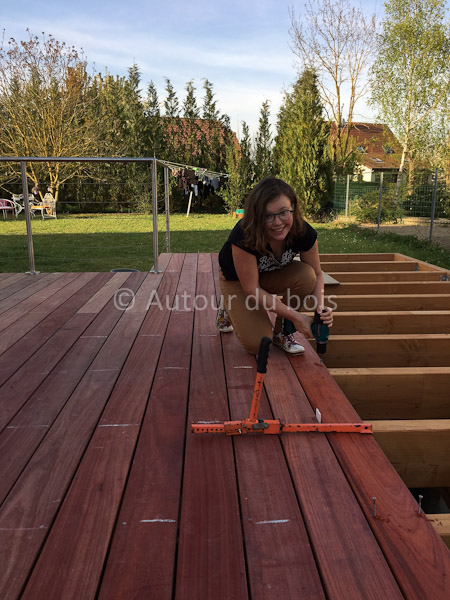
(302, 152)
(171, 104)
(247, 167)
(263, 150)
(172, 111)
(234, 193)
(210, 143)
(189, 126)
(155, 128)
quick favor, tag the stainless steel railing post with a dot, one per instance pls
(155, 269)
(26, 204)
(167, 207)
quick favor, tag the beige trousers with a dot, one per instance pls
(293, 282)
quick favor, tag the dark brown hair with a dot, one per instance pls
(254, 220)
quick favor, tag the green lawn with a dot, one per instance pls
(104, 242)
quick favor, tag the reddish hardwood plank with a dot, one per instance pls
(80, 536)
(24, 289)
(280, 561)
(28, 362)
(401, 532)
(17, 329)
(26, 430)
(20, 310)
(142, 557)
(29, 509)
(8, 279)
(210, 551)
(349, 558)
(19, 440)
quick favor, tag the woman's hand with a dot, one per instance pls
(326, 315)
(302, 324)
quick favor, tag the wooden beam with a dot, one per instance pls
(441, 524)
(361, 276)
(397, 393)
(396, 350)
(370, 266)
(423, 266)
(390, 287)
(389, 302)
(384, 322)
(375, 257)
(418, 450)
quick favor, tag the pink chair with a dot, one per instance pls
(7, 206)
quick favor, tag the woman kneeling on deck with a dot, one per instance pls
(257, 265)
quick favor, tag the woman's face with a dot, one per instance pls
(277, 229)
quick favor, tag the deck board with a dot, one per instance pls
(106, 494)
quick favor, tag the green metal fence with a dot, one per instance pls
(386, 201)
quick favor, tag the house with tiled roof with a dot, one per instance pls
(377, 149)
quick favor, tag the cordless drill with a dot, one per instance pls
(318, 327)
(321, 332)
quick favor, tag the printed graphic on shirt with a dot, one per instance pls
(270, 263)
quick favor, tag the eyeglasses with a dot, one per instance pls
(284, 215)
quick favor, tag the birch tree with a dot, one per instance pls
(336, 41)
(411, 75)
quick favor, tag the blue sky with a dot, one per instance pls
(241, 46)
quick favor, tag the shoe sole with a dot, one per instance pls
(302, 351)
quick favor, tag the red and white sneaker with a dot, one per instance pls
(288, 343)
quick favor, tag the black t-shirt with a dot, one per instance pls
(266, 262)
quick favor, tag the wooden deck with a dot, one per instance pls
(106, 493)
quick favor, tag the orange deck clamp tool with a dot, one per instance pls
(255, 425)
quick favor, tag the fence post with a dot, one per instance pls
(26, 204)
(346, 198)
(155, 269)
(380, 196)
(433, 205)
(167, 207)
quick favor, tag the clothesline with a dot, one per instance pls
(200, 171)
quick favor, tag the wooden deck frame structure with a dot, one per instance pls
(105, 494)
(390, 354)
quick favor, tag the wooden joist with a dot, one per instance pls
(441, 524)
(402, 287)
(396, 350)
(392, 302)
(371, 257)
(384, 322)
(418, 449)
(397, 393)
(382, 276)
(387, 265)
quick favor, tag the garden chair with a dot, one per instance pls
(49, 203)
(7, 206)
(17, 200)
(47, 207)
